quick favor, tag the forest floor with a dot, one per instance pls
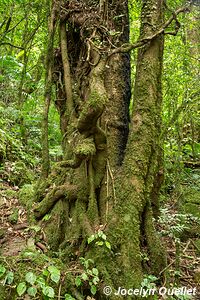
(183, 249)
(13, 221)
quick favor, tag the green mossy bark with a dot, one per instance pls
(67, 192)
(130, 224)
(113, 186)
(87, 166)
(53, 228)
(156, 250)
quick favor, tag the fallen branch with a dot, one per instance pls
(42, 247)
(191, 164)
(20, 226)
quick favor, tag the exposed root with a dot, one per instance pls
(67, 191)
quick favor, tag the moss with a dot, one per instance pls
(122, 265)
(13, 218)
(191, 208)
(197, 246)
(40, 188)
(26, 195)
(2, 233)
(26, 198)
(192, 195)
(91, 111)
(20, 174)
(155, 249)
(53, 228)
(197, 276)
(86, 148)
(9, 194)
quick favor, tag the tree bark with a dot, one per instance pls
(47, 94)
(112, 169)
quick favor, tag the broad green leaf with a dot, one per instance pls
(95, 280)
(84, 276)
(45, 272)
(95, 271)
(30, 278)
(93, 289)
(89, 272)
(99, 243)
(55, 277)
(78, 281)
(91, 239)
(82, 259)
(9, 277)
(55, 274)
(32, 291)
(21, 288)
(48, 291)
(53, 270)
(103, 236)
(108, 245)
(2, 270)
(29, 254)
(100, 233)
(152, 278)
(41, 282)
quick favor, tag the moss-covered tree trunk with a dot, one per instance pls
(47, 92)
(130, 227)
(106, 178)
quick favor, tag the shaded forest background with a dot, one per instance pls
(34, 157)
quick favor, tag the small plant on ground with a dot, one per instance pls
(45, 284)
(89, 275)
(100, 239)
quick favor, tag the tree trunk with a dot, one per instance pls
(106, 182)
(47, 94)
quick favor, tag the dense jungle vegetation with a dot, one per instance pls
(99, 149)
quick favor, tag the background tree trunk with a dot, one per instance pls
(47, 93)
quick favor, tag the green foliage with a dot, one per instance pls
(175, 224)
(21, 107)
(23, 24)
(26, 195)
(21, 288)
(148, 283)
(54, 274)
(16, 173)
(44, 284)
(13, 218)
(181, 97)
(69, 297)
(2, 270)
(100, 239)
(89, 275)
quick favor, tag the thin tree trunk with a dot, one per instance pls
(47, 94)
